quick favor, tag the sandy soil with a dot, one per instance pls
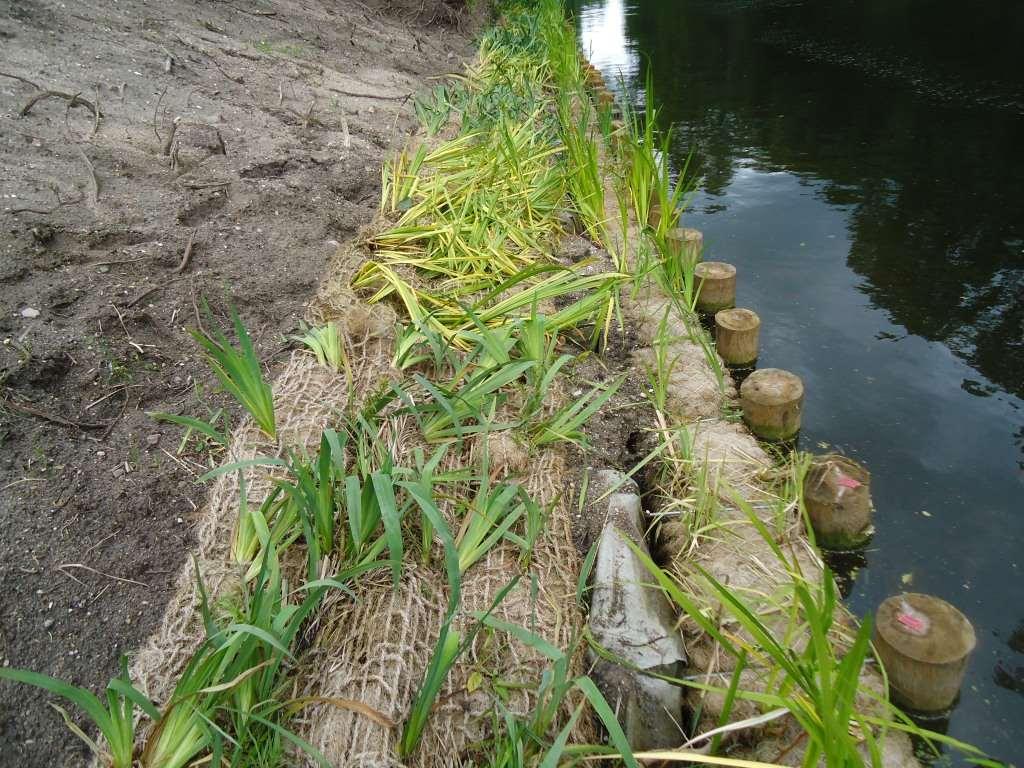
(285, 111)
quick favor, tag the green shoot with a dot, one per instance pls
(524, 740)
(489, 519)
(659, 375)
(464, 406)
(312, 490)
(567, 423)
(205, 428)
(115, 720)
(433, 110)
(328, 346)
(446, 651)
(239, 371)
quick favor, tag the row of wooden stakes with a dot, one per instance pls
(923, 641)
(772, 399)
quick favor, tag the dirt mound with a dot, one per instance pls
(255, 133)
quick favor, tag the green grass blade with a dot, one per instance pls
(525, 636)
(198, 425)
(383, 486)
(608, 719)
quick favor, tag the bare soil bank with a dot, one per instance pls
(286, 110)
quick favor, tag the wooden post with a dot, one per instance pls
(716, 282)
(685, 244)
(654, 213)
(924, 644)
(619, 131)
(772, 400)
(837, 493)
(737, 334)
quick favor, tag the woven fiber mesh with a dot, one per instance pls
(377, 649)
(307, 398)
(374, 649)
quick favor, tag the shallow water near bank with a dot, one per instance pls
(861, 168)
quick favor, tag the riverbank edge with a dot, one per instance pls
(308, 398)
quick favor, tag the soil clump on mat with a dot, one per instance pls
(151, 156)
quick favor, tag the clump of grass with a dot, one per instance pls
(466, 405)
(675, 275)
(647, 174)
(526, 740)
(475, 215)
(239, 370)
(450, 643)
(327, 344)
(492, 516)
(115, 719)
(583, 177)
(473, 206)
(250, 524)
(399, 179)
(335, 511)
(659, 375)
(536, 341)
(312, 490)
(818, 685)
(433, 109)
(567, 423)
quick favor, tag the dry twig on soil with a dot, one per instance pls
(140, 296)
(30, 411)
(92, 172)
(377, 96)
(118, 261)
(84, 567)
(156, 111)
(188, 253)
(22, 79)
(96, 114)
(205, 184)
(74, 99)
(170, 137)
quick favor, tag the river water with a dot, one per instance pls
(862, 165)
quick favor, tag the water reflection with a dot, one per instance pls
(602, 34)
(949, 192)
(1009, 672)
(845, 567)
(862, 169)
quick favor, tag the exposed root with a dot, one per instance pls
(22, 79)
(187, 257)
(92, 174)
(74, 100)
(53, 419)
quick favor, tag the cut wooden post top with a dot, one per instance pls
(685, 234)
(925, 628)
(737, 319)
(772, 386)
(715, 270)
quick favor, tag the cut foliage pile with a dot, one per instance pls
(433, 486)
(387, 574)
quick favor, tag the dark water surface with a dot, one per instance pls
(863, 167)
